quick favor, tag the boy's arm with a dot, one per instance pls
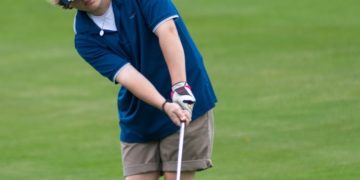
(172, 50)
(137, 84)
(174, 55)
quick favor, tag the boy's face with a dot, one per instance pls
(92, 6)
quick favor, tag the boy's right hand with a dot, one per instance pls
(177, 114)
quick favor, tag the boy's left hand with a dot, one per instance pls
(182, 95)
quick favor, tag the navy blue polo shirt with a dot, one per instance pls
(136, 43)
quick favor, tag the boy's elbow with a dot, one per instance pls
(166, 28)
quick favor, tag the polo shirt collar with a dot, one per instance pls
(83, 23)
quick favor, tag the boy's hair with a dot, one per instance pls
(64, 3)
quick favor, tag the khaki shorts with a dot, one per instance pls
(161, 156)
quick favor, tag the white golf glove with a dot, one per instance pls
(182, 95)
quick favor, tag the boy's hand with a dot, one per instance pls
(182, 95)
(176, 113)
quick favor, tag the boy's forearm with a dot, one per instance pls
(137, 84)
(142, 88)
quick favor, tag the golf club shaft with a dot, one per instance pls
(180, 152)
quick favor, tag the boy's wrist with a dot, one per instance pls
(164, 104)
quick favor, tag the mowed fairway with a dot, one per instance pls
(287, 76)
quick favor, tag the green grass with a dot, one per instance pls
(287, 76)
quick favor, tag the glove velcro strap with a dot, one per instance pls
(182, 91)
(180, 88)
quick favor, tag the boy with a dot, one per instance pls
(144, 46)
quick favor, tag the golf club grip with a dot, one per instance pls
(181, 144)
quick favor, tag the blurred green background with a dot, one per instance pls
(286, 72)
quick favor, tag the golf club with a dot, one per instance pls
(181, 143)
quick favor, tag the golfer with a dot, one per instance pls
(144, 46)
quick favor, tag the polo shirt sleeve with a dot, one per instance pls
(102, 60)
(157, 11)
